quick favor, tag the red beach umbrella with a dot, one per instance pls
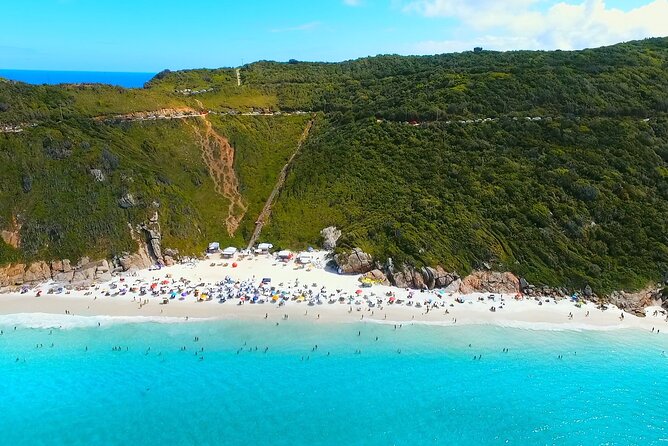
(358, 292)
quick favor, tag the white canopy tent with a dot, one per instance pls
(284, 254)
(264, 247)
(229, 251)
(305, 257)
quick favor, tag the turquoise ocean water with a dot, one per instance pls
(413, 385)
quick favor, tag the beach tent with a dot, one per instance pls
(305, 257)
(214, 247)
(264, 247)
(284, 255)
(229, 252)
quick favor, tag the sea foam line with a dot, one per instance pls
(520, 325)
(65, 322)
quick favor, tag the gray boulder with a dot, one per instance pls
(354, 262)
(442, 278)
(103, 272)
(171, 252)
(97, 174)
(454, 286)
(63, 277)
(587, 291)
(425, 278)
(410, 278)
(127, 201)
(330, 235)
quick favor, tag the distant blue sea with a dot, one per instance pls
(128, 80)
(416, 385)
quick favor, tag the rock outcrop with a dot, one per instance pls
(61, 271)
(330, 235)
(635, 303)
(12, 236)
(425, 278)
(170, 256)
(135, 261)
(12, 275)
(37, 272)
(97, 174)
(490, 282)
(408, 278)
(376, 276)
(354, 262)
(86, 272)
(127, 201)
(437, 277)
(154, 241)
(153, 238)
(454, 286)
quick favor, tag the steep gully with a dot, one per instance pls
(218, 155)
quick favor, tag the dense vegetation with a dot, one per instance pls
(561, 202)
(578, 196)
(625, 79)
(262, 147)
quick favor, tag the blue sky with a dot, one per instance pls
(150, 35)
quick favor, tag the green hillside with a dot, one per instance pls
(553, 165)
(571, 201)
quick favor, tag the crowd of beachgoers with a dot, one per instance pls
(267, 287)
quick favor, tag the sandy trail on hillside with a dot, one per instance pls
(218, 155)
(266, 210)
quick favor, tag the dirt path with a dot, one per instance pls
(266, 210)
(218, 156)
(153, 115)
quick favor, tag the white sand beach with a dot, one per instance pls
(308, 293)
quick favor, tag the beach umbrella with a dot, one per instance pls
(234, 265)
(358, 292)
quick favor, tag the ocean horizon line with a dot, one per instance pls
(127, 79)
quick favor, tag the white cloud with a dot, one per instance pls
(304, 27)
(352, 2)
(520, 24)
